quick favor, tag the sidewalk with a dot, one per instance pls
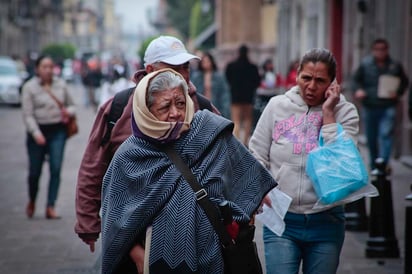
(353, 259)
(38, 245)
(41, 246)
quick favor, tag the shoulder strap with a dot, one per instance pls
(204, 103)
(201, 196)
(47, 89)
(118, 104)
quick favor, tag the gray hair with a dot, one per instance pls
(165, 80)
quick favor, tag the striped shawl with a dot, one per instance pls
(142, 187)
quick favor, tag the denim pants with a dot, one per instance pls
(55, 141)
(380, 128)
(314, 239)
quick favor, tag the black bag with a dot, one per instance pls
(242, 256)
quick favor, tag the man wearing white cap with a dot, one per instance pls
(107, 135)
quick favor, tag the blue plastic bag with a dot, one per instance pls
(336, 168)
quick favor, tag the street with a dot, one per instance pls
(41, 246)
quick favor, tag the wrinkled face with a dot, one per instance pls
(169, 105)
(313, 80)
(183, 69)
(45, 70)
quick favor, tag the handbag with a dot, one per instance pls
(71, 123)
(71, 126)
(240, 255)
(336, 169)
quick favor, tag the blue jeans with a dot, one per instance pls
(314, 239)
(380, 128)
(55, 141)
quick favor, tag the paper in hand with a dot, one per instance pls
(388, 86)
(272, 217)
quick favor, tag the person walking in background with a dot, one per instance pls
(378, 83)
(269, 87)
(243, 79)
(286, 132)
(212, 84)
(268, 78)
(162, 52)
(92, 78)
(194, 65)
(46, 132)
(152, 192)
(290, 79)
(118, 83)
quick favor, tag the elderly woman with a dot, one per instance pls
(143, 188)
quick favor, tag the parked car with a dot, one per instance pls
(10, 81)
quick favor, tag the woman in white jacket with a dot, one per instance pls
(286, 132)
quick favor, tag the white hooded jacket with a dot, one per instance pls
(287, 131)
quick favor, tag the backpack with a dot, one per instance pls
(119, 102)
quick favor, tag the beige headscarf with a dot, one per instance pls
(145, 124)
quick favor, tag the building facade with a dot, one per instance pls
(249, 22)
(348, 28)
(29, 25)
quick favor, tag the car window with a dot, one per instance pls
(8, 70)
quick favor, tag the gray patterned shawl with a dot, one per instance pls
(142, 187)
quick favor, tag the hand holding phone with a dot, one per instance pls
(332, 97)
(333, 89)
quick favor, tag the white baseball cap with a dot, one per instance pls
(169, 50)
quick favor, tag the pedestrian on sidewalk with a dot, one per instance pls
(147, 200)
(378, 83)
(286, 132)
(290, 79)
(92, 80)
(212, 84)
(162, 52)
(243, 79)
(46, 132)
(118, 83)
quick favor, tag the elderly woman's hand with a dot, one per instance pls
(137, 255)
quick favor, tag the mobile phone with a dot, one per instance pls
(332, 83)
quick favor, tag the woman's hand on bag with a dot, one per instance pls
(65, 115)
(40, 139)
(137, 255)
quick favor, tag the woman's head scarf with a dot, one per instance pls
(145, 125)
